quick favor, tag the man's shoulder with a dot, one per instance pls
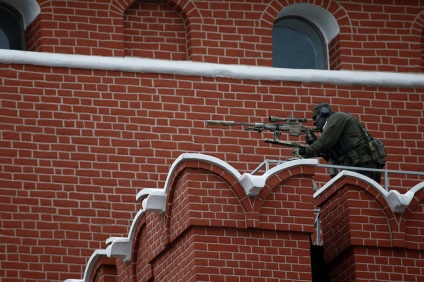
(341, 115)
(340, 119)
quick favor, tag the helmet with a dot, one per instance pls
(320, 114)
(322, 109)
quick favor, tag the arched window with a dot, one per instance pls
(298, 44)
(11, 28)
(301, 35)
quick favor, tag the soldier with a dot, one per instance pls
(343, 140)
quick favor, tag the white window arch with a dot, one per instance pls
(29, 9)
(301, 35)
(15, 17)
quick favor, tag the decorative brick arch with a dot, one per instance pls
(351, 182)
(29, 10)
(358, 216)
(209, 168)
(277, 205)
(185, 9)
(243, 186)
(137, 254)
(417, 29)
(414, 212)
(395, 206)
(44, 3)
(105, 267)
(280, 177)
(128, 259)
(270, 14)
(274, 8)
(418, 24)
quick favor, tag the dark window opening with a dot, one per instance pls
(297, 43)
(11, 28)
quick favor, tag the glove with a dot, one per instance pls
(310, 138)
(302, 151)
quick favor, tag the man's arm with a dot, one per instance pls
(331, 134)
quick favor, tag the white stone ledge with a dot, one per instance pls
(122, 247)
(253, 184)
(188, 68)
(396, 201)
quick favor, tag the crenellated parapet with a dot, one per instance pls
(376, 231)
(215, 217)
(210, 221)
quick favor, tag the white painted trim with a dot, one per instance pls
(121, 247)
(253, 184)
(198, 157)
(29, 9)
(396, 201)
(187, 68)
(319, 16)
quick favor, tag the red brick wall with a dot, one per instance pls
(207, 220)
(383, 36)
(81, 27)
(105, 271)
(154, 31)
(364, 240)
(388, 264)
(77, 145)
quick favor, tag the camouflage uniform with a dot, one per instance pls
(343, 140)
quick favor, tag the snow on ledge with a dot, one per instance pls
(188, 68)
(396, 201)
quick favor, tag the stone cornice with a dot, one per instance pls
(188, 68)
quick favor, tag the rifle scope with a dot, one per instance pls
(289, 119)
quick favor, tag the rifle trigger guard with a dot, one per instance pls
(277, 134)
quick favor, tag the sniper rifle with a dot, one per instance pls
(291, 125)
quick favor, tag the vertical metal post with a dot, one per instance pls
(386, 180)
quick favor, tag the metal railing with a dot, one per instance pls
(385, 172)
(317, 211)
(317, 225)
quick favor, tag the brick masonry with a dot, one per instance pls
(364, 239)
(77, 145)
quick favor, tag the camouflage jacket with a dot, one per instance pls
(340, 135)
